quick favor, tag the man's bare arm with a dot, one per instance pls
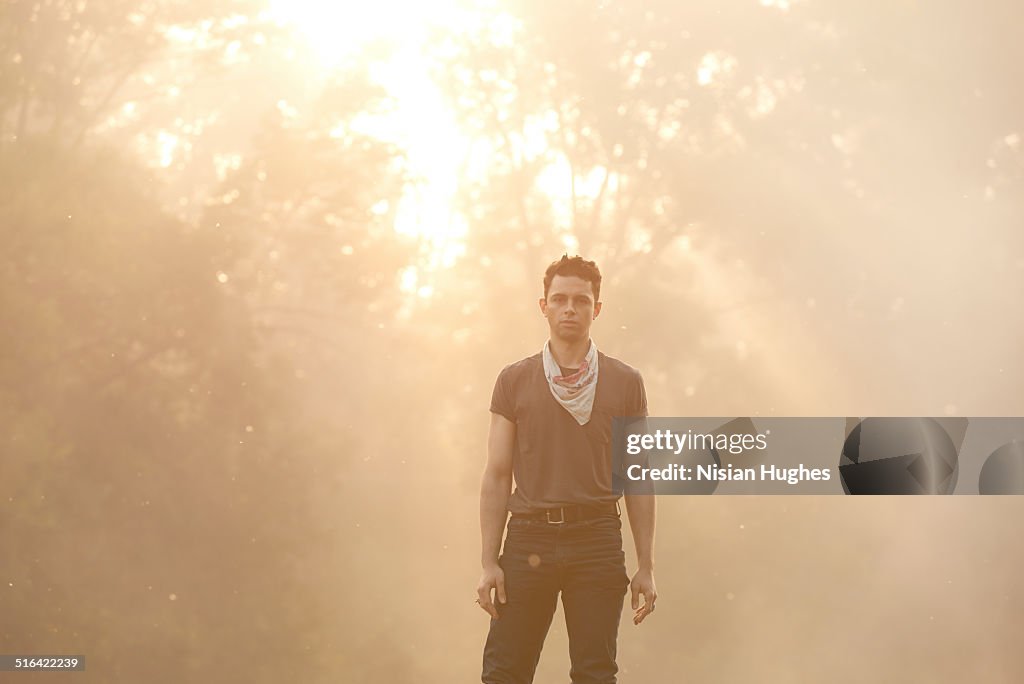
(642, 515)
(495, 487)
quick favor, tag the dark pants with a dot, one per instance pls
(585, 562)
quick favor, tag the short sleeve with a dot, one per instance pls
(501, 397)
(635, 423)
(636, 397)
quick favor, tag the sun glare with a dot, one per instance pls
(338, 30)
(392, 36)
(420, 123)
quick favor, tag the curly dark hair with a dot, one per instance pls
(574, 266)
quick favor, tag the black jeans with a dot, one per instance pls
(585, 562)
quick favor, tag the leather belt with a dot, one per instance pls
(568, 514)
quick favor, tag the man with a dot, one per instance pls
(551, 416)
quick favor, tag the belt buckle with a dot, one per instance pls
(547, 515)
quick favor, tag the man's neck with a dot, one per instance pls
(569, 354)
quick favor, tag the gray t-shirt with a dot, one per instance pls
(558, 462)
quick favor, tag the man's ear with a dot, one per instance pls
(597, 308)
(543, 305)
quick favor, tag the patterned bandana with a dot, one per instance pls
(574, 392)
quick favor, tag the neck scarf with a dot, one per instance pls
(574, 392)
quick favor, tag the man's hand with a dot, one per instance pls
(643, 583)
(492, 579)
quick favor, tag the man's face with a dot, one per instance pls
(570, 308)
